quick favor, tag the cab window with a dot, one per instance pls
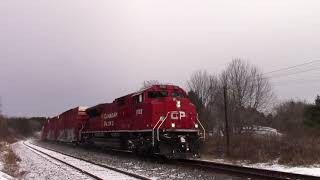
(157, 94)
(138, 98)
(178, 94)
(121, 102)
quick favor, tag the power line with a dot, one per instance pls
(298, 72)
(288, 73)
(296, 81)
(291, 67)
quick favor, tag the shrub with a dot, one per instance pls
(246, 146)
(10, 162)
(302, 150)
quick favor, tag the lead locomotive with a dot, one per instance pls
(156, 120)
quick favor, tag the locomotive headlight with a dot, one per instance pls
(178, 104)
(182, 139)
(196, 125)
(173, 125)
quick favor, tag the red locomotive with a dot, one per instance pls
(159, 119)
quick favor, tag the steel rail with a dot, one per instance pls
(70, 165)
(88, 161)
(246, 171)
(234, 169)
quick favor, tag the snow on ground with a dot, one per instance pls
(35, 166)
(4, 176)
(262, 130)
(150, 167)
(311, 170)
(101, 172)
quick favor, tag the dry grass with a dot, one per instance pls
(287, 150)
(246, 147)
(300, 151)
(10, 160)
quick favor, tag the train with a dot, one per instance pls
(159, 119)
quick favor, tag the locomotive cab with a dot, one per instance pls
(176, 131)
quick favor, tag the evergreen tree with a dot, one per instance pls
(312, 114)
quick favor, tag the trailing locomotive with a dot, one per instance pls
(156, 120)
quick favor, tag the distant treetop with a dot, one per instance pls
(318, 100)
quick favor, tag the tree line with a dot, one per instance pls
(249, 97)
(20, 126)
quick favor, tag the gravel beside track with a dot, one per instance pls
(245, 171)
(235, 172)
(155, 168)
(93, 170)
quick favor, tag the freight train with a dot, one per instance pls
(159, 119)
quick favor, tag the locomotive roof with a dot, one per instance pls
(156, 87)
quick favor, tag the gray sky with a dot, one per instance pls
(58, 54)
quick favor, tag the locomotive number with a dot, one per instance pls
(178, 115)
(108, 123)
(138, 111)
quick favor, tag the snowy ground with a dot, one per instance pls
(156, 169)
(4, 176)
(311, 170)
(98, 171)
(35, 166)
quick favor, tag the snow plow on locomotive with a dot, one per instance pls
(156, 120)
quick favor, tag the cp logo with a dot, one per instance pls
(177, 115)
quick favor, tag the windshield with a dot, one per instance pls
(178, 94)
(157, 94)
(161, 94)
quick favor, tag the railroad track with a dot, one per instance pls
(245, 171)
(92, 175)
(236, 170)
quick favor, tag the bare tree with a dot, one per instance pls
(0, 107)
(317, 101)
(247, 86)
(247, 89)
(289, 116)
(3, 123)
(204, 85)
(202, 91)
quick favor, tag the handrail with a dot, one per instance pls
(153, 129)
(162, 121)
(204, 130)
(158, 138)
(80, 133)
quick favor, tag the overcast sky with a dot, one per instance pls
(55, 55)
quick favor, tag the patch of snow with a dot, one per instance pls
(149, 167)
(262, 130)
(98, 171)
(34, 166)
(311, 170)
(4, 176)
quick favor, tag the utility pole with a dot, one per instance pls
(226, 119)
(0, 107)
